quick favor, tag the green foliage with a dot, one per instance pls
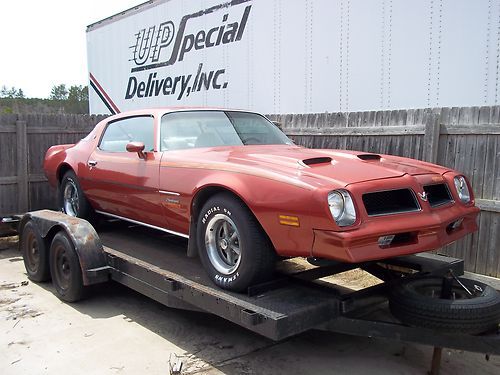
(74, 99)
(11, 93)
(59, 92)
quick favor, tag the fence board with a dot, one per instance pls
(24, 139)
(8, 147)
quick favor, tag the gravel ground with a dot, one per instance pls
(118, 331)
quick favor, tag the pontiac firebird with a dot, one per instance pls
(243, 194)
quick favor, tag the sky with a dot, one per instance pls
(44, 41)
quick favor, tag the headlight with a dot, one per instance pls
(342, 207)
(462, 189)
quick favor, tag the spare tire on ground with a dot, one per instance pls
(418, 302)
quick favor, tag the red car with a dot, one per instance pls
(242, 193)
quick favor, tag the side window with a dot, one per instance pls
(132, 129)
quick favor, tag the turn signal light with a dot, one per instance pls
(292, 221)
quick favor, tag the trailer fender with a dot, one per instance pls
(87, 243)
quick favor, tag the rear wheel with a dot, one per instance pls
(65, 269)
(233, 248)
(35, 254)
(72, 199)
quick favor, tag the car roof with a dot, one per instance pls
(163, 110)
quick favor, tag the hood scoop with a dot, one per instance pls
(369, 157)
(315, 161)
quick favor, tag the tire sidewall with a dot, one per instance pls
(75, 289)
(471, 315)
(240, 277)
(83, 204)
(408, 290)
(40, 271)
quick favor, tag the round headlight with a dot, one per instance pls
(336, 203)
(462, 189)
(342, 207)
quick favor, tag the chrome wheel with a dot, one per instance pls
(222, 242)
(70, 198)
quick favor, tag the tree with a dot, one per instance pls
(11, 93)
(59, 92)
(78, 93)
(20, 94)
(78, 99)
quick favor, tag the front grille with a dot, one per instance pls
(390, 202)
(437, 194)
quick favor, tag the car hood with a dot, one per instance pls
(311, 166)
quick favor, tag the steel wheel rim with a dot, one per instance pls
(33, 252)
(70, 196)
(434, 292)
(222, 242)
(62, 268)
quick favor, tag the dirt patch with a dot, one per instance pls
(354, 279)
(13, 298)
(8, 242)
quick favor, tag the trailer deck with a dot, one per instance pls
(155, 264)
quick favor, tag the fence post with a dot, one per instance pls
(431, 138)
(22, 167)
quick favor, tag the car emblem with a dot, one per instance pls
(423, 196)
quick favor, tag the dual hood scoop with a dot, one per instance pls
(311, 162)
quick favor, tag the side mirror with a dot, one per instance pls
(136, 147)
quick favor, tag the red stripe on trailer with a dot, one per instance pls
(110, 101)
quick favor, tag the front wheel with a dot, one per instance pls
(233, 248)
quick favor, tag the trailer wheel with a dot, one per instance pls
(233, 248)
(65, 269)
(418, 303)
(73, 200)
(35, 254)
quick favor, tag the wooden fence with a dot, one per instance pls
(466, 139)
(24, 139)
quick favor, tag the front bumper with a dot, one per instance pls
(418, 233)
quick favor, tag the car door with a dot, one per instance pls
(123, 183)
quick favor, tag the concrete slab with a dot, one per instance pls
(118, 331)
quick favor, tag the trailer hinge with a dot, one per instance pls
(251, 318)
(172, 285)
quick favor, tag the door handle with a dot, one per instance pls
(92, 163)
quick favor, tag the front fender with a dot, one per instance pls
(267, 199)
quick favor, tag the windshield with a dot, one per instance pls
(195, 129)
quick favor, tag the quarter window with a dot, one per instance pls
(133, 129)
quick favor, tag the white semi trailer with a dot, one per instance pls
(296, 56)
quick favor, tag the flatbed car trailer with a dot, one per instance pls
(296, 300)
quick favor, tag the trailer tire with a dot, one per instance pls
(413, 303)
(225, 228)
(35, 254)
(65, 269)
(72, 199)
